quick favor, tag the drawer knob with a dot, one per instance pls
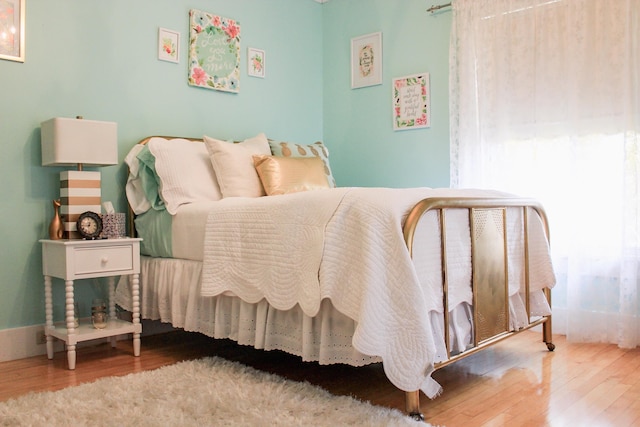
(105, 259)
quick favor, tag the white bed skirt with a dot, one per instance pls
(170, 292)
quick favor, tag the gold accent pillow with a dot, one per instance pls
(317, 149)
(283, 175)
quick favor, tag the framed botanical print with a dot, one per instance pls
(168, 45)
(256, 62)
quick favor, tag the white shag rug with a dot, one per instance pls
(206, 392)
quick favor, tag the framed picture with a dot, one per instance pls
(255, 62)
(168, 45)
(214, 52)
(366, 60)
(411, 102)
(12, 30)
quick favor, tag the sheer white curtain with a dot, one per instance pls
(545, 103)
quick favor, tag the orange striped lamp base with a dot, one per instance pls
(79, 192)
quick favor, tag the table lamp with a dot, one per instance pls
(78, 142)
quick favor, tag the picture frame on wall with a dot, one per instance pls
(411, 102)
(256, 62)
(214, 52)
(366, 60)
(12, 30)
(168, 45)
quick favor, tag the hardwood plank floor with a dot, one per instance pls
(514, 383)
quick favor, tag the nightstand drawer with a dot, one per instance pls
(103, 259)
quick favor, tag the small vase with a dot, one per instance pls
(99, 314)
(56, 228)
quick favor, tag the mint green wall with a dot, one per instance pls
(358, 128)
(99, 60)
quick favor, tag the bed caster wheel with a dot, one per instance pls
(418, 416)
(551, 346)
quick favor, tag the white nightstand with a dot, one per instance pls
(85, 259)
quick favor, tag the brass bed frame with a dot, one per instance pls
(489, 264)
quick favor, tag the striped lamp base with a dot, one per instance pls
(79, 192)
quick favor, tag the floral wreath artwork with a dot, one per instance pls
(214, 52)
(411, 102)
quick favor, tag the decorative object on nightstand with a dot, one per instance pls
(89, 225)
(86, 259)
(56, 229)
(114, 225)
(67, 142)
(99, 314)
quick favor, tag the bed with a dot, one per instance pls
(252, 240)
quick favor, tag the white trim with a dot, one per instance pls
(20, 343)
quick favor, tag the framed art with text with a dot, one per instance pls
(214, 52)
(411, 104)
(366, 60)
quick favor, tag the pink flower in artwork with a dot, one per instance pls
(397, 111)
(199, 76)
(198, 29)
(217, 22)
(232, 29)
(401, 83)
(424, 90)
(422, 120)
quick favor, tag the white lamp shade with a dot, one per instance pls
(67, 142)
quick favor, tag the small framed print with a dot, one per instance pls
(168, 45)
(256, 62)
(411, 105)
(12, 30)
(366, 60)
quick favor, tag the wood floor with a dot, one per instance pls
(514, 383)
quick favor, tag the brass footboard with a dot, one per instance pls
(489, 261)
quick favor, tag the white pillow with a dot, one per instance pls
(185, 172)
(233, 165)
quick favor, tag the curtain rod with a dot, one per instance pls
(441, 6)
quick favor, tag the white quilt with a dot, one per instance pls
(345, 244)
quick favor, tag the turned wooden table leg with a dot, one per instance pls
(71, 324)
(48, 309)
(112, 306)
(135, 290)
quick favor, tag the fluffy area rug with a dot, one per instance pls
(205, 392)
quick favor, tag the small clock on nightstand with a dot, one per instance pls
(89, 225)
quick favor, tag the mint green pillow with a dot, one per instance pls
(149, 178)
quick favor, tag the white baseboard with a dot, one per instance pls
(19, 343)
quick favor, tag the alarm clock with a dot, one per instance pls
(89, 225)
